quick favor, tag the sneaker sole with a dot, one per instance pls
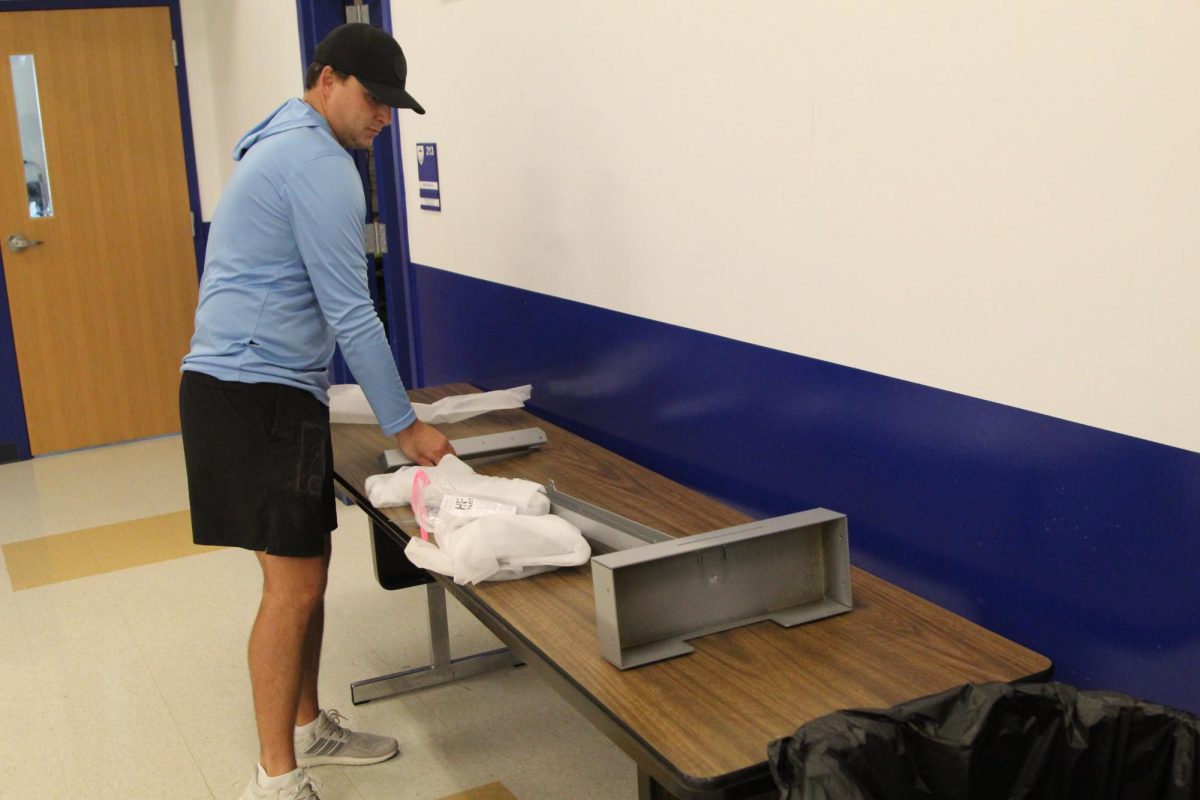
(345, 761)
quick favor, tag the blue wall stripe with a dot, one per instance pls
(1077, 542)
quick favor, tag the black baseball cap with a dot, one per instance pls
(371, 55)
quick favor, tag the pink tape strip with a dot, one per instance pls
(420, 481)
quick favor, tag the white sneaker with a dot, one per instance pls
(330, 743)
(300, 789)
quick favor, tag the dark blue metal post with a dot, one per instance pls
(316, 18)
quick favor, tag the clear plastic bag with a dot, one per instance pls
(440, 508)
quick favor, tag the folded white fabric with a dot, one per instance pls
(347, 403)
(395, 488)
(465, 406)
(501, 547)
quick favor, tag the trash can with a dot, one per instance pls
(993, 741)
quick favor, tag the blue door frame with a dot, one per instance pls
(14, 433)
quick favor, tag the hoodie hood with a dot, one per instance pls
(295, 113)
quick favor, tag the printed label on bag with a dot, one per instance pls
(457, 505)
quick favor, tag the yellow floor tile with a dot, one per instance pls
(37, 562)
(78, 554)
(493, 791)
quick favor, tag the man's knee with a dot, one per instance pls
(297, 582)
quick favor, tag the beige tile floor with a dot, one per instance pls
(122, 658)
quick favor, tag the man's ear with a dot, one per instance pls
(326, 79)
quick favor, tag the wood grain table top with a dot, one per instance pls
(709, 714)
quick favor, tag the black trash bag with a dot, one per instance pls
(993, 741)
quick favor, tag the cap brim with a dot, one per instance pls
(396, 98)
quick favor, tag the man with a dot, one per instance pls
(284, 277)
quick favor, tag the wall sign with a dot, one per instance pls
(427, 175)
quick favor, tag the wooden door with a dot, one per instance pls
(102, 310)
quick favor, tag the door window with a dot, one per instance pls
(33, 146)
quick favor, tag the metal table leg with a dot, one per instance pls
(441, 668)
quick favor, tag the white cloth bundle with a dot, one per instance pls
(347, 403)
(395, 488)
(501, 547)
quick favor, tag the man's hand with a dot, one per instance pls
(424, 444)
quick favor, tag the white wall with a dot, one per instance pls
(992, 197)
(243, 60)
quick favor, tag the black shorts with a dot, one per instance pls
(259, 465)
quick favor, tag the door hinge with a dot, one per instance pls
(358, 13)
(192, 221)
(174, 53)
(375, 239)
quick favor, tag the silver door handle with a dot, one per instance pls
(17, 243)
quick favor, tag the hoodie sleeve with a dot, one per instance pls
(327, 210)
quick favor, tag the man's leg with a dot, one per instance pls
(309, 705)
(293, 592)
(327, 742)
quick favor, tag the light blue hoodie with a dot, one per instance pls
(285, 275)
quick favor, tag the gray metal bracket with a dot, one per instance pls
(441, 668)
(477, 450)
(653, 592)
(651, 599)
(605, 530)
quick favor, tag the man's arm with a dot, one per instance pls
(327, 211)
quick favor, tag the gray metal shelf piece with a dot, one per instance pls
(654, 592)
